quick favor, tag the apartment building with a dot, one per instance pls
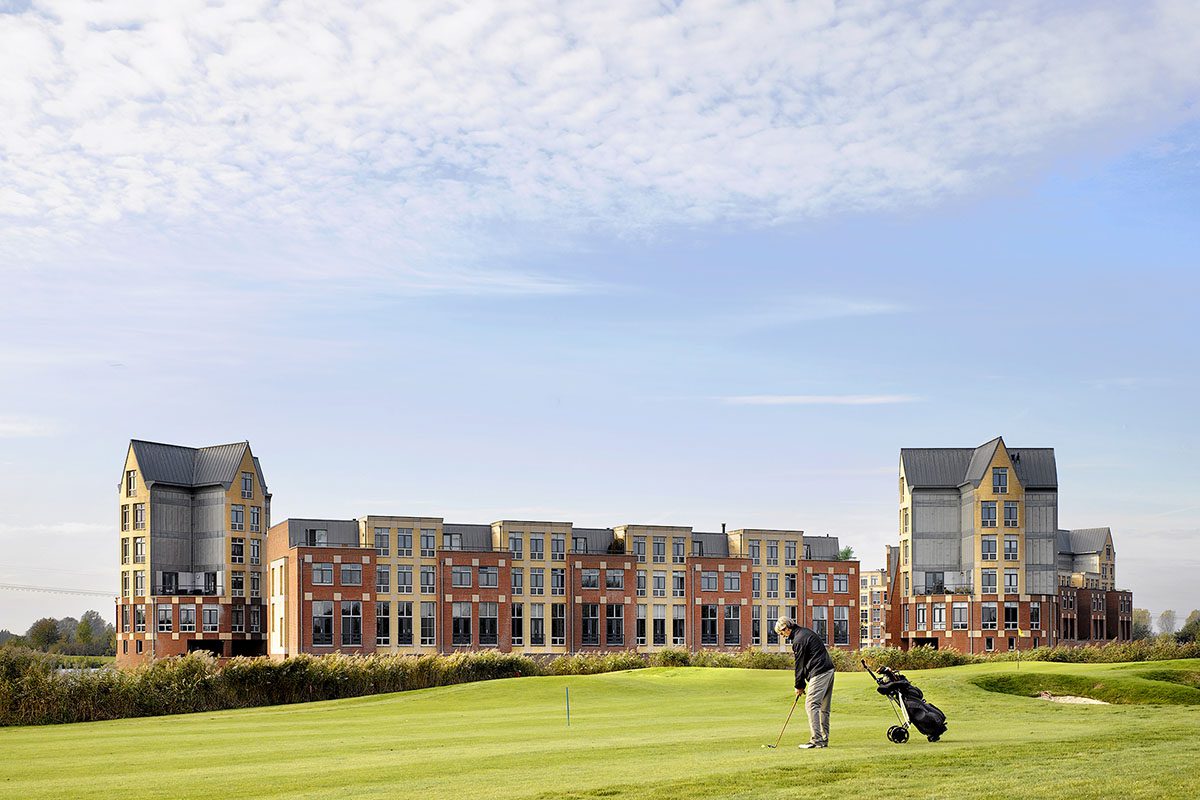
(192, 523)
(982, 564)
(873, 607)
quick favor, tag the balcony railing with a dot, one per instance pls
(190, 591)
(927, 591)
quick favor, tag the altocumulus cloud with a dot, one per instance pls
(409, 124)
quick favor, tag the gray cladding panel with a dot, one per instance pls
(935, 512)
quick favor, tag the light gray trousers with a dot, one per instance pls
(819, 692)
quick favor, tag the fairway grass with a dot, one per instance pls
(653, 733)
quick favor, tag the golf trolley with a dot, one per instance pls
(910, 706)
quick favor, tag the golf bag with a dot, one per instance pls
(910, 705)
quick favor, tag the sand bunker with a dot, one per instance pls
(1070, 698)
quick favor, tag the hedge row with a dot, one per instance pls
(35, 691)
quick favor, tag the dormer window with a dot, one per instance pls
(1000, 480)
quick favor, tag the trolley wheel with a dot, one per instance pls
(897, 734)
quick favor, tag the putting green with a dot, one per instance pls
(660, 733)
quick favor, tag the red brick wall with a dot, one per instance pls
(808, 598)
(475, 594)
(696, 566)
(626, 598)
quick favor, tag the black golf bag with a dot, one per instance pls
(910, 705)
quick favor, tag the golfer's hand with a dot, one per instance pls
(799, 692)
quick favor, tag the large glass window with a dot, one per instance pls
(517, 580)
(660, 584)
(772, 585)
(820, 583)
(772, 553)
(614, 630)
(460, 577)
(789, 586)
(383, 624)
(841, 625)
(428, 623)
(1000, 480)
(404, 623)
(383, 541)
(678, 550)
(660, 625)
(733, 625)
(640, 633)
(841, 584)
(351, 574)
(404, 542)
(558, 581)
(428, 542)
(489, 578)
(754, 551)
(789, 554)
(989, 616)
(517, 625)
(821, 622)
(678, 581)
(460, 624)
(558, 547)
(660, 550)
(351, 623)
(322, 618)
(489, 623)
(987, 513)
(708, 581)
(537, 580)
(537, 625)
(989, 581)
(1011, 580)
(614, 579)
(383, 578)
(960, 620)
(428, 580)
(639, 549)
(1011, 612)
(733, 581)
(939, 617)
(708, 625)
(237, 517)
(1011, 520)
(516, 544)
(558, 624)
(164, 619)
(1010, 548)
(590, 626)
(1035, 616)
(537, 547)
(589, 579)
(187, 619)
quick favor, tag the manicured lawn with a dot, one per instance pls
(662, 733)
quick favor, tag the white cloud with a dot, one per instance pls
(416, 128)
(14, 427)
(819, 399)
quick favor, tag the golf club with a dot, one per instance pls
(785, 724)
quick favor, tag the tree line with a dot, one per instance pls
(89, 635)
(1143, 625)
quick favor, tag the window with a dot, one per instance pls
(772, 553)
(383, 541)
(489, 578)
(428, 623)
(841, 625)
(237, 619)
(489, 623)
(987, 514)
(678, 625)
(708, 581)
(1010, 514)
(677, 550)
(558, 624)
(591, 623)
(756, 625)
(678, 584)
(351, 623)
(939, 617)
(237, 583)
(862, 616)
(989, 644)
(247, 485)
(125, 619)
(537, 625)
(988, 545)
(754, 551)
(537, 549)
(237, 517)
(789, 554)
(640, 631)
(558, 582)
(255, 550)
(614, 579)
(255, 518)
(1011, 579)
(170, 583)
(460, 577)
(789, 586)
(989, 581)
(404, 541)
(517, 545)
(256, 584)
(517, 580)
(904, 515)
(708, 625)
(125, 551)
(1000, 480)
(639, 549)
(989, 616)
(1035, 616)
(187, 619)
(351, 574)
(906, 616)
(660, 550)
(211, 616)
(517, 625)
(460, 624)
(139, 584)
(139, 516)
(821, 622)
(139, 549)
(428, 580)
(237, 551)
(820, 583)
(1010, 616)
(772, 618)
(451, 541)
(772, 585)
(165, 623)
(614, 629)
(125, 517)
(589, 579)
(255, 619)
(130, 483)
(733, 626)
(383, 578)
(641, 583)
(537, 580)
(558, 547)
(428, 548)
(383, 624)
(316, 537)
(841, 584)
(733, 581)
(1010, 548)
(660, 584)
(904, 550)
(756, 585)
(660, 625)
(922, 623)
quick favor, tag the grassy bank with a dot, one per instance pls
(651, 733)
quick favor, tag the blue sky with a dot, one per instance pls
(606, 264)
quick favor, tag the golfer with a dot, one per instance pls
(814, 672)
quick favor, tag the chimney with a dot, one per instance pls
(722, 527)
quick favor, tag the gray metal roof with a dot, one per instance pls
(474, 537)
(191, 466)
(599, 540)
(1083, 540)
(951, 467)
(713, 544)
(339, 532)
(822, 548)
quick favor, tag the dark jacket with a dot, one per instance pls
(811, 656)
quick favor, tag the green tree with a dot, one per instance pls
(66, 629)
(846, 554)
(1192, 617)
(1190, 632)
(1143, 625)
(1166, 621)
(43, 633)
(83, 632)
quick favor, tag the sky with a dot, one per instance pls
(682, 262)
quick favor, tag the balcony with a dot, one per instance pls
(929, 591)
(190, 591)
